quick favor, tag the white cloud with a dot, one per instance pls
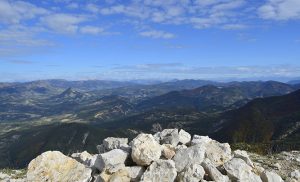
(91, 30)
(13, 12)
(234, 27)
(63, 23)
(157, 34)
(280, 10)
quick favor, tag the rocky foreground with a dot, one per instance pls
(170, 155)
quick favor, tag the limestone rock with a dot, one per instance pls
(169, 136)
(111, 143)
(111, 161)
(200, 140)
(268, 176)
(161, 170)
(192, 173)
(145, 149)
(237, 169)
(135, 172)
(120, 176)
(295, 175)
(83, 157)
(213, 172)
(184, 137)
(188, 156)
(55, 166)
(243, 155)
(180, 147)
(101, 149)
(103, 177)
(168, 151)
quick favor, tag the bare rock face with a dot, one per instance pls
(269, 176)
(238, 170)
(161, 170)
(111, 161)
(55, 166)
(188, 156)
(145, 149)
(192, 173)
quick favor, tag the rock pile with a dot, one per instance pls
(170, 155)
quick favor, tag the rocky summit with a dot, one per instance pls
(166, 156)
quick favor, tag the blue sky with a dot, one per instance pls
(149, 39)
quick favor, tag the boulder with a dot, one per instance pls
(192, 173)
(168, 151)
(200, 140)
(135, 172)
(111, 161)
(268, 176)
(295, 175)
(243, 155)
(213, 173)
(184, 137)
(111, 143)
(145, 149)
(169, 136)
(217, 153)
(238, 170)
(189, 156)
(120, 176)
(161, 170)
(83, 157)
(55, 166)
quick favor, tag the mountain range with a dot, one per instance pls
(72, 115)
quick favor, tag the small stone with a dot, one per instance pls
(168, 151)
(120, 176)
(111, 143)
(213, 172)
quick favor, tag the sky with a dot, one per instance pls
(149, 39)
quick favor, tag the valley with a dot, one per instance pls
(70, 116)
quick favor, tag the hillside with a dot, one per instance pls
(263, 120)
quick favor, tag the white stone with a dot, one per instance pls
(192, 173)
(180, 147)
(168, 151)
(83, 157)
(200, 140)
(160, 171)
(188, 156)
(213, 172)
(169, 136)
(295, 174)
(184, 137)
(243, 155)
(135, 172)
(111, 143)
(101, 149)
(111, 161)
(269, 176)
(55, 166)
(145, 149)
(237, 169)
